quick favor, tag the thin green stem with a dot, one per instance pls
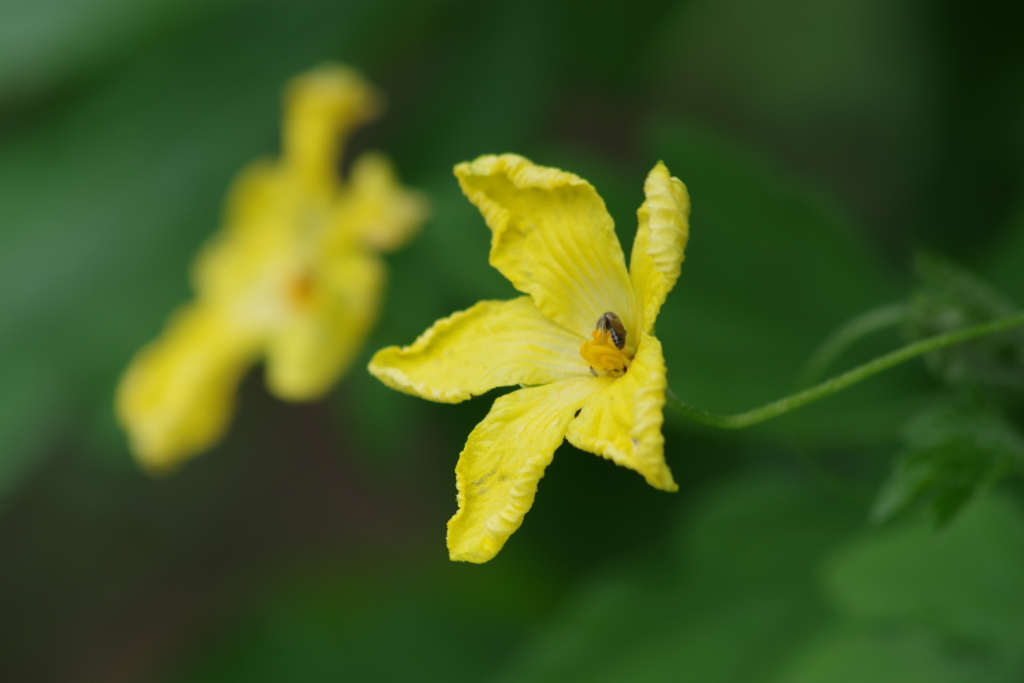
(840, 382)
(846, 336)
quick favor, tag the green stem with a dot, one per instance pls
(846, 336)
(829, 387)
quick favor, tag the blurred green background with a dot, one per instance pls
(822, 143)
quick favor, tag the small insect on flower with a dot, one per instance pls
(610, 323)
(606, 349)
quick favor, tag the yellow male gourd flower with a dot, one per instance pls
(580, 345)
(293, 277)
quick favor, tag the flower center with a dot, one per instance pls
(606, 349)
(301, 290)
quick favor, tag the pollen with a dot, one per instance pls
(603, 356)
(301, 290)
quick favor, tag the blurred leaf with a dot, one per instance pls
(771, 270)
(843, 90)
(29, 395)
(46, 40)
(854, 657)
(490, 89)
(951, 298)
(743, 602)
(398, 621)
(951, 453)
(963, 584)
(737, 605)
(1006, 258)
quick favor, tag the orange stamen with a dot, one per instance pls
(602, 354)
(301, 289)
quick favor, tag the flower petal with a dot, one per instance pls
(504, 458)
(332, 312)
(253, 194)
(257, 238)
(623, 422)
(552, 238)
(492, 344)
(660, 242)
(322, 106)
(376, 209)
(177, 396)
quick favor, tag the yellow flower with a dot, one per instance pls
(293, 277)
(580, 345)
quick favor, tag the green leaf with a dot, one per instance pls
(746, 600)
(951, 454)
(734, 605)
(29, 394)
(962, 584)
(44, 42)
(490, 95)
(392, 620)
(1006, 258)
(840, 89)
(771, 270)
(856, 657)
(950, 298)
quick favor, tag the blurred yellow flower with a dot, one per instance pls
(580, 344)
(293, 277)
